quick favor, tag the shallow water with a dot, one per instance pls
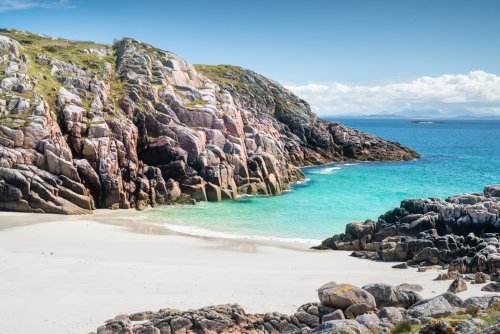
(458, 156)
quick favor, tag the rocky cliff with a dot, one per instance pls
(85, 126)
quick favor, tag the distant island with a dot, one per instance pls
(427, 122)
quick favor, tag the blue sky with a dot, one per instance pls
(296, 42)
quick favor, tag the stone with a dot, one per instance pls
(370, 321)
(480, 302)
(491, 287)
(213, 193)
(387, 295)
(334, 326)
(336, 315)
(435, 307)
(392, 314)
(342, 296)
(494, 329)
(411, 286)
(458, 285)
(450, 275)
(357, 309)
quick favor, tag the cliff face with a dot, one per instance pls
(84, 125)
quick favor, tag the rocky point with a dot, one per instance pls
(85, 126)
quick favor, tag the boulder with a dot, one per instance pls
(435, 307)
(480, 302)
(392, 314)
(491, 287)
(335, 326)
(343, 295)
(458, 285)
(370, 321)
(357, 309)
(480, 278)
(450, 275)
(387, 295)
(336, 315)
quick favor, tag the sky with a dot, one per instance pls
(353, 57)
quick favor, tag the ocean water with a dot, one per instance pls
(458, 157)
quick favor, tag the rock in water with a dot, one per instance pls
(129, 125)
(342, 296)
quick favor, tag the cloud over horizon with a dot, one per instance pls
(475, 93)
(11, 5)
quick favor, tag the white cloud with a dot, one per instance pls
(10, 5)
(475, 93)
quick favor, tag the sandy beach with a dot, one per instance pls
(69, 274)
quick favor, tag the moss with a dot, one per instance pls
(47, 85)
(492, 314)
(404, 327)
(117, 91)
(222, 74)
(62, 49)
(194, 104)
(181, 95)
(15, 121)
(87, 102)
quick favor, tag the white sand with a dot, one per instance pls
(70, 274)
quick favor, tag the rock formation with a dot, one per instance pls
(85, 126)
(352, 315)
(461, 232)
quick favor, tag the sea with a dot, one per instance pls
(458, 156)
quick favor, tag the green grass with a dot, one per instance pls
(47, 86)
(15, 121)
(194, 104)
(62, 49)
(403, 327)
(179, 93)
(218, 73)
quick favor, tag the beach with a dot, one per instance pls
(68, 274)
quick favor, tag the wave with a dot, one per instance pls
(326, 170)
(202, 232)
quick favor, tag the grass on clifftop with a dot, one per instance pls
(194, 104)
(62, 49)
(222, 74)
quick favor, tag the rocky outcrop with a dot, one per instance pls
(461, 232)
(130, 125)
(358, 314)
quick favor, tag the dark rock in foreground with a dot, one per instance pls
(461, 232)
(86, 125)
(351, 315)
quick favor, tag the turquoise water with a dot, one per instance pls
(458, 156)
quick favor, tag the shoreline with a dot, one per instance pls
(75, 272)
